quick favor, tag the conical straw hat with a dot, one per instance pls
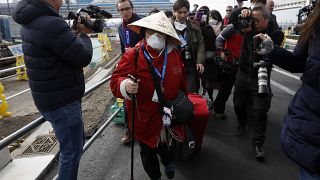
(158, 22)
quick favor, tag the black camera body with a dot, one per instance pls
(244, 23)
(94, 12)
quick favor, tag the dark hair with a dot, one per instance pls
(180, 4)
(153, 11)
(168, 13)
(311, 26)
(121, 1)
(216, 15)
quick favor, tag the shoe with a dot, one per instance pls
(222, 116)
(259, 152)
(210, 103)
(240, 131)
(126, 139)
(170, 171)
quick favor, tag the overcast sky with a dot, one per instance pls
(219, 5)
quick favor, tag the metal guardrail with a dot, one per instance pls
(16, 135)
(11, 69)
(7, 58)
(97, 134)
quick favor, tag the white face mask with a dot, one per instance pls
(213, 22)
(156, 41)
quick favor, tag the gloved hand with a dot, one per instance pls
(266, 45)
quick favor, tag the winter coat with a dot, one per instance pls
(134, 37)
(148, 116)
(300, 135)
(195, 42)
(54, 55)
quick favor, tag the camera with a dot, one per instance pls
(263, 65)
(187, 54)
(94, 12)
(244, 23)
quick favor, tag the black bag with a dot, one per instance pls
(187, 147)
(181, 106)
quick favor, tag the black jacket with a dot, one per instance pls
(135, 37)
(300, 137)
(247, 57)
(54, 55)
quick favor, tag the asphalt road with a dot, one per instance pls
(223, 156)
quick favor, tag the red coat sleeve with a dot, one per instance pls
(124, 67)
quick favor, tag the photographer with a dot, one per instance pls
(246, 90)
(55, 57)
(300, 136)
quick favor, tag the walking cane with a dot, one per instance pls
(132, 125)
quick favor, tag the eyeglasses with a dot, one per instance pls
(228, 10)
(124, 9)
(150, 31)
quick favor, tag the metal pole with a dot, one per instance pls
(15, 95)
(132, 135)
(16, 135)
(8, 7)
(11, 69)
(98, 133)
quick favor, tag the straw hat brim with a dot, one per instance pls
(158, 22)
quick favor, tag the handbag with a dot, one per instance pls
(181, 106)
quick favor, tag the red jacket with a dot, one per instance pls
(148, 117)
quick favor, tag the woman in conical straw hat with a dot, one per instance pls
(157, 47)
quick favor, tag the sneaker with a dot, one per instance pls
(170, 171)
(259, 152)
(222, 116)
(126, 139)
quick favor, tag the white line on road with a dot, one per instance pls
(282, 87)
(287, 74)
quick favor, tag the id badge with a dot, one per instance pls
(155, 97)
(183, 41)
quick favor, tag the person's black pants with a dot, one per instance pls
(150, 159)
(193, 80)
(246, 98)
(227, 82)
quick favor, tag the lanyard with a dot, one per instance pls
(164, 66)
(127, 37)
(127, 34)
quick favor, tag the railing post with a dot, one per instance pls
(4, 104)
(21, 72)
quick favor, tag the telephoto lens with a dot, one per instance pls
(263, 81)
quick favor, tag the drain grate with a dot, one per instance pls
(43, 144)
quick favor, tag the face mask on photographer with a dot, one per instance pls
(213, 22)
(156, 41)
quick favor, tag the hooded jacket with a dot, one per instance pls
(54, 55)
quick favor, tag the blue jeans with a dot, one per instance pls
(68, 127)
(304, 175)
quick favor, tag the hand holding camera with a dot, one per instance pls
(82, 27)
(265, 44)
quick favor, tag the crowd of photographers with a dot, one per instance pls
(201, 49)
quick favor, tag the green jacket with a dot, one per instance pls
(195, 41)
